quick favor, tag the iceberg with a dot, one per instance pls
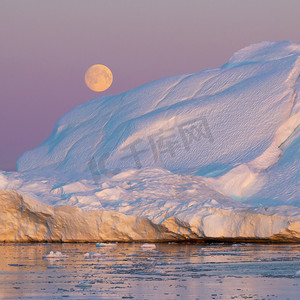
(55, 255)
(211, 155)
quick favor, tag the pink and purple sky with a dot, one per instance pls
(46, 47)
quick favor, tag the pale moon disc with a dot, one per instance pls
(98, 78)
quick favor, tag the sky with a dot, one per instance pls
(46, 47)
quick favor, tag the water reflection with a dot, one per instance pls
(170, 271)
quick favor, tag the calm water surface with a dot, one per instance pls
(172, 271)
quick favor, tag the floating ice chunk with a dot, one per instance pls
(55, 255)
(107, 245)
(94, 255)
(236, 245)
(151, 259)
(297, 274)
(84, 285)
(148, 247)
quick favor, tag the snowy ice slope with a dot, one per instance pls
(239, 114)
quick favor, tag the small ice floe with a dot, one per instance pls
(297, 274)
(151, 259)
(95, 255)
(84, 285)
(106, 245)
(55, 255)
(236, 245)
(148, 247)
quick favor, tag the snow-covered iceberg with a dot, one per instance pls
(207, 155)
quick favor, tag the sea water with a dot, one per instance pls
(161, 271)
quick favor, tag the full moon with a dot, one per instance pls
(98, 78)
